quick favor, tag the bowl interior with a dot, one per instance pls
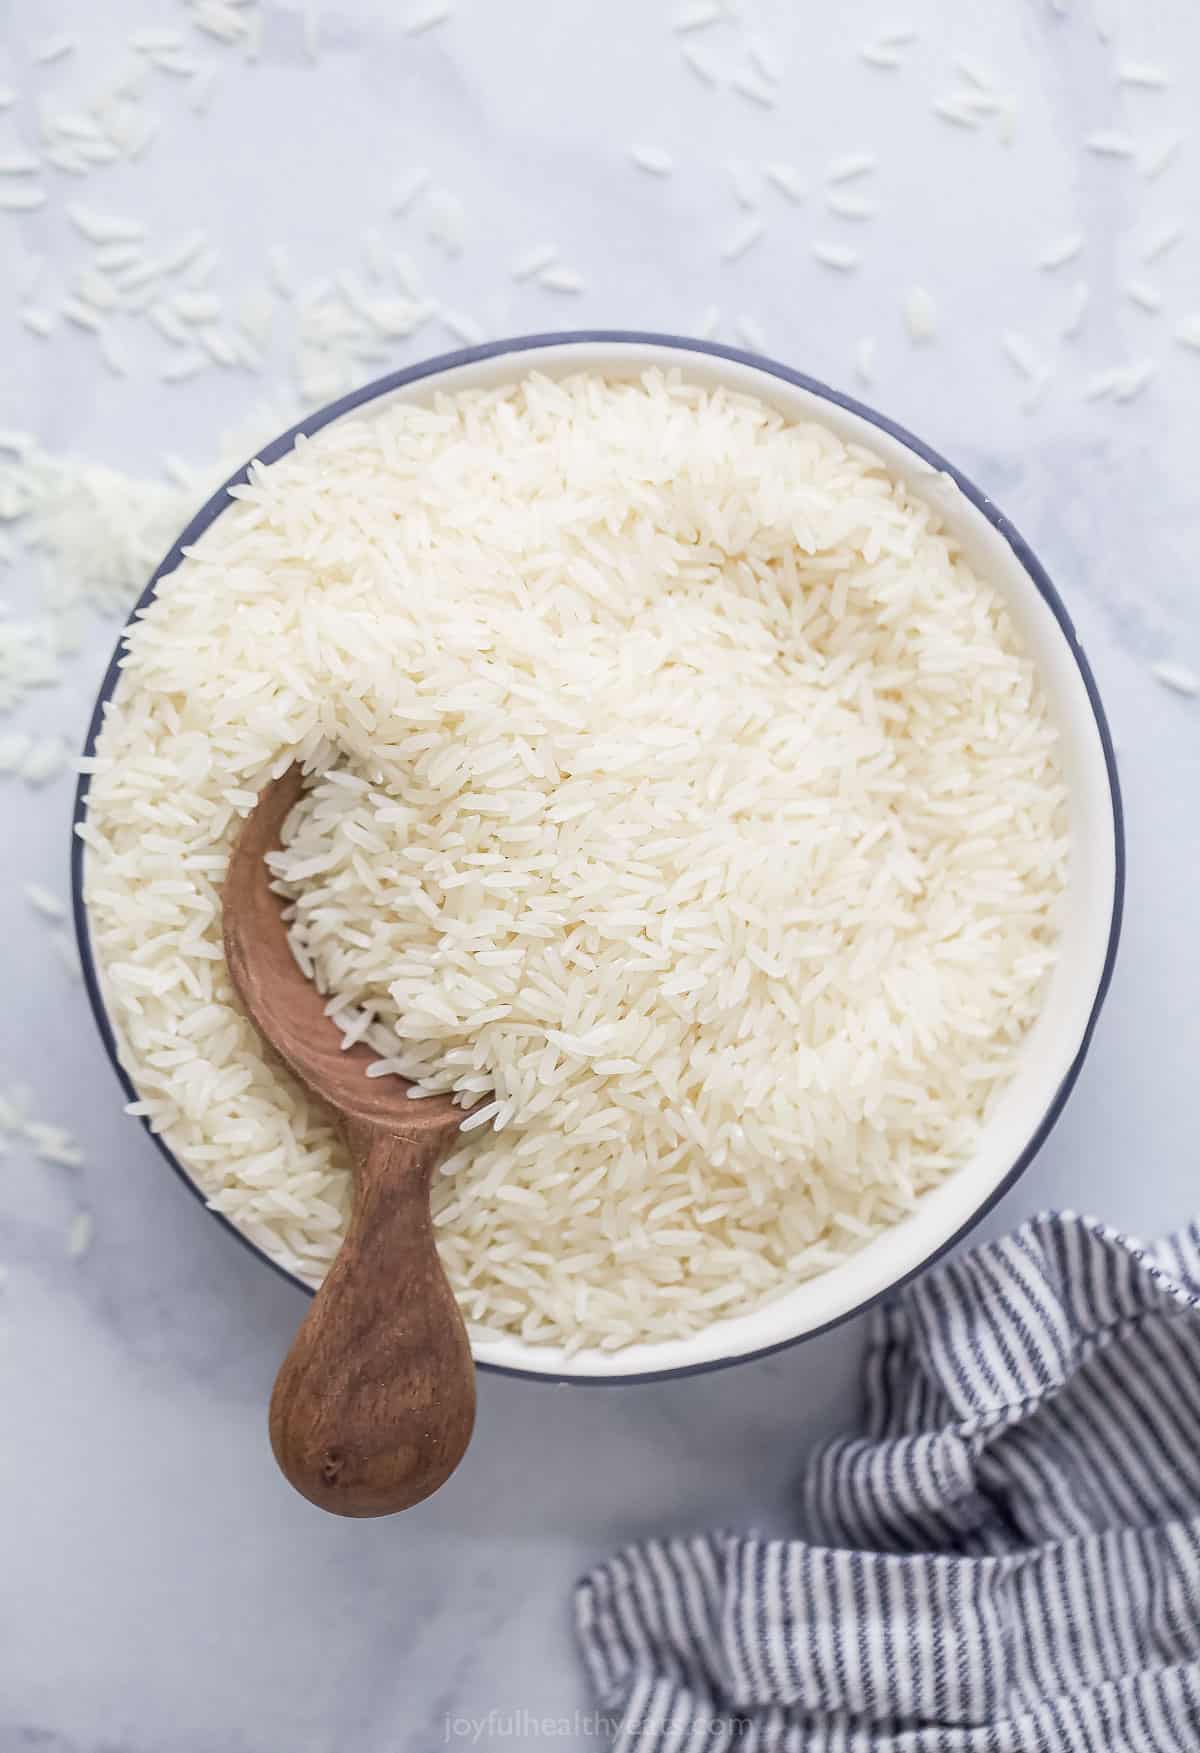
(1054, 1048)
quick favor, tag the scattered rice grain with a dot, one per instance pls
(699, 63)
(1076, 310)
(1141, 73)
(531, 262)
(750, 86)
(854, 164)
(1022, 353)
(423, 18)
(54, 48)
(751, 332)
(787, 180)
(1164, 239)
(1145, 296)
(22, 200)
(1108, 143)
(849, 206)
(561, 280)
(1064, 249)
(1177, 677)
(80, 1234)
(652, 159)
(1158, 158)
(881, 55)
(44, 902)
(1133, 380)
(920, 314)
(836, 255)
(743, 238)
(953, 109)
(697, 17)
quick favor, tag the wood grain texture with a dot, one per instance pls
(374, 1404)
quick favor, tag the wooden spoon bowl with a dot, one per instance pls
(374, 1404)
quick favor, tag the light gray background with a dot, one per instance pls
(160, 1590)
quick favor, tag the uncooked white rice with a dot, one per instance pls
(112, 353)
(956, 109)
(414, 183)
(652, 159)
(1164, 239)
(697, 17)
(881, 55)
(1022, 353)
(1042, 380)
(532, 261)
(104, 227)
(1102, 383)
(1142, 73)
(644, 815)
(854, 164)
(746, 189)
(181, 366)
(974, 72)
(150, 39)
(750, 85)
(65, 948)
(54, 48)
(1133, 379)
(743, 237)
(463, 327)
(22, 199)
(82, 315)
(1077, 310)
(700, 64)
(44, 901)
(1111, 144)
(80, 1232)
(45, 761)
(1159, 157)
(423, 18)
(765, 57)
(1177, 677)
(1064, 249)
(1145, 296)
(561, 280)
(920, 313)
(849, 206)
(836, 255)
(787, 180)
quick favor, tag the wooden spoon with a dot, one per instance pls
(374, 1404)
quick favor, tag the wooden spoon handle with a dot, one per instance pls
(374, 1404)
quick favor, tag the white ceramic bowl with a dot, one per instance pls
(1055, 1048)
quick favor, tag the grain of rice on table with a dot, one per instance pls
(680, 792)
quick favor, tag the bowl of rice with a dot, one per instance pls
(706, 785)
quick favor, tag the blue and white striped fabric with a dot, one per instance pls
(1008, 1559)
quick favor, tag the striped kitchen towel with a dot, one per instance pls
(1007, 1561)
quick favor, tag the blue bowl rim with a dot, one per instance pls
(435, 367)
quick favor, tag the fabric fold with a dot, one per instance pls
(1008, 1559)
